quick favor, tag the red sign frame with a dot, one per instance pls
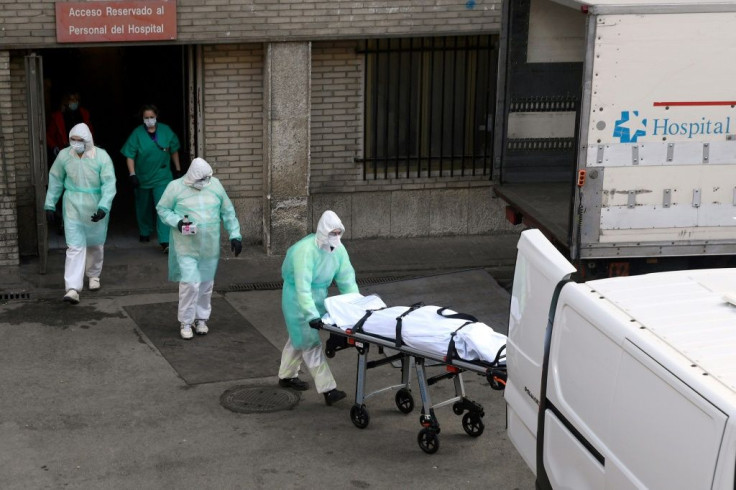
(116, 21)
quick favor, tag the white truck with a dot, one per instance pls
(616, 131)
(624, 382)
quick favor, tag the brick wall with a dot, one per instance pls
(15, 131)
(32, 23)
(8, 217)
(233, 128)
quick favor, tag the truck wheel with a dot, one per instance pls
(473, 424)
(404, 401)
(359, 416)
(428, 441)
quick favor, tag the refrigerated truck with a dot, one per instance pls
(624, 382)
(618, 130)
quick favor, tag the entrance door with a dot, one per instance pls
(37, 136)
(113, 83)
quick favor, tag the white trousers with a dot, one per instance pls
(81, 260)
(314, 358)
(195, 301)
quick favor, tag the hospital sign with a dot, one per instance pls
(119, 21)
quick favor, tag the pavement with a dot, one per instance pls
(89, 401)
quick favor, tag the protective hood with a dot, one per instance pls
(81, 130)
(198, 170)
(327, 222)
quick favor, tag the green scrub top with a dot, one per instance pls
(152, 160)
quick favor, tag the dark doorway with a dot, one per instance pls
(113, 83)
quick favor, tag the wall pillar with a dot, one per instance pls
(286, 142)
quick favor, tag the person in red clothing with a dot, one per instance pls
(69, 115)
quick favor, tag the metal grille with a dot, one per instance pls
(544, 104)
(13, 296)
(258, 399)
(429, 106)
(540, 144)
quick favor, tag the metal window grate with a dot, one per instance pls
(429, 106)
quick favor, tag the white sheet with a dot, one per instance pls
(423, 329)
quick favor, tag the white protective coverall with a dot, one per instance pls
(88, 184)
(193, 259)
(310, 266)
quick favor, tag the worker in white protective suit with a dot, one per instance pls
(197, 200)
(310, 266)
(86, 176)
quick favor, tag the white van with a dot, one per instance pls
(626, 382)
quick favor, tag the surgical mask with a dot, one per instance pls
(77, 146)
(73, 106)
(201, 183)
(334, 241)
(149, 121)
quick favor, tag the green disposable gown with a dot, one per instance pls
(88, 184)
(308, 271)
(194, 258)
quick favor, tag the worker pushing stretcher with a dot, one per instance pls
(418, 333)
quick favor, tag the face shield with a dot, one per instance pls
(199, 174)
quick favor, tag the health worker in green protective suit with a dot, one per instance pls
(149, 151)
(86, 176)
(193, 206)
(310, 266)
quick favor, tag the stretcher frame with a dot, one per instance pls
(427, 438)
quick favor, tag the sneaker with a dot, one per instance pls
(165, 248)
(94, 283)
(201, 327)
(294, 384)
(144, 238)
(72, 297)
(186, 331)
(334, 396)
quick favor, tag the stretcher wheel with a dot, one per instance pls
(404, 401)
(329, 352)
(473, 424)
(457, 408)
(359, 416)
(428, 441)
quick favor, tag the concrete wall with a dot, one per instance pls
(401, 214)
(32, 23)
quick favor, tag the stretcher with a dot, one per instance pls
(401, 348)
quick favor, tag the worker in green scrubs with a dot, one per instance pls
(149, 151)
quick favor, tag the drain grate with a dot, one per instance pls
(258, 399)
(12, 296)
(270, 286)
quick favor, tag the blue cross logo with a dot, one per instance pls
(630, 127)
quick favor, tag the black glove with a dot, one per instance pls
(98, 215)
(134, 181)
(50, 217)
(180, 224)
(316, 323)
(236, 246)
(177, 174)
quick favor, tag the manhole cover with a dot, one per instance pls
(257, 399)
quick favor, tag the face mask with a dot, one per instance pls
(73, 106)
(77, 146)
(334, 241)
(149, 121)
(201, 184)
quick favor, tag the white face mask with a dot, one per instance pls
(77, 146)
(334, 241)
(149, 121)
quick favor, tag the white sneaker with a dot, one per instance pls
(94, 283)
(186, 331)
(72, 297)
(201, 327)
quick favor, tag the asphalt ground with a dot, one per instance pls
(89, 400)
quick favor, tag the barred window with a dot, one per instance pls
(429, 106)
